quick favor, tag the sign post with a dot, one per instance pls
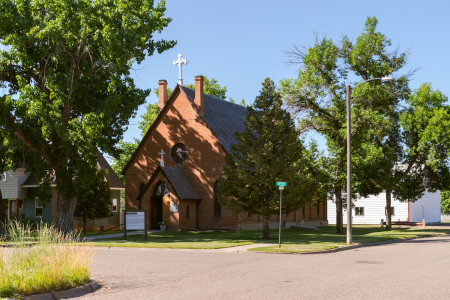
(281, 186)
(135, 220)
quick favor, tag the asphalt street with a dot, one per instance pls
(415, 269)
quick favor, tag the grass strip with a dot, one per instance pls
(293, 240)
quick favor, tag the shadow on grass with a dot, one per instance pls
(210, 240)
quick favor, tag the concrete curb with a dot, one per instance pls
(89, 287)
(350, 247)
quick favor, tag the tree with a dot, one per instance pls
(94, 200)
(317, 97)
(415, 149)
(67, 70)
(268, 150)
(445, 201)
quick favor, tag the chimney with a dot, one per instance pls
(199, 100)
(162, 94)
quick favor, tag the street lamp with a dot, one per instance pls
(349, 155)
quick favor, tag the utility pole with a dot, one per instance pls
(349, 165)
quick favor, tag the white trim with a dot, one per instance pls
(112, 206)
(3, 177)
(117, 189)
(35, 186)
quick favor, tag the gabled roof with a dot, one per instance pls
(32, 182)
(111, 176)
(221, 116)
(177, 179)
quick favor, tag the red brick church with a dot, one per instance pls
(174, 172)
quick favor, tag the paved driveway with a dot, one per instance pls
(416, 269)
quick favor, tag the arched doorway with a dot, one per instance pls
(159, 192)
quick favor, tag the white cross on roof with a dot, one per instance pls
(180, 62)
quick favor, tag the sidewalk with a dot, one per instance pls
(113, 235)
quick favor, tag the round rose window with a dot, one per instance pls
(179, 153)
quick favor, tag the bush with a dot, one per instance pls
(55, 262)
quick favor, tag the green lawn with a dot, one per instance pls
(293, 240)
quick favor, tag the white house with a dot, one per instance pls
(372, 209)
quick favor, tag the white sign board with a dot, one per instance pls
(173, 207)
(135, 220)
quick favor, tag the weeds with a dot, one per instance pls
(42, 260)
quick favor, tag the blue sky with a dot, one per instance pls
(240, 43)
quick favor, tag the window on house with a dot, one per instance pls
(303, 211)
(114, 205)
(287, 215)
(3, 177)
(392, 211)
(318, 210)
(187, 212)
(359, 211)
(249, 215)
(217, 206)
(39, 209)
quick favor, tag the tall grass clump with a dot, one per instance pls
(41, 260)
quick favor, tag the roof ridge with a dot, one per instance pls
(216, 98)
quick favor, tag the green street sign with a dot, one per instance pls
(279, 183)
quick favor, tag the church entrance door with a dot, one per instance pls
(157, 215)
(160, 205)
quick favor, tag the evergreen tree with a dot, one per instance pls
(268, 150)
(94, 200)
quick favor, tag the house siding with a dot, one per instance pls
(11, 188)
(374, 210)
(29, 206)
(114, 220)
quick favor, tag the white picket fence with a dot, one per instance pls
(445, 217)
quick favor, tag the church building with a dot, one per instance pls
(175, 169)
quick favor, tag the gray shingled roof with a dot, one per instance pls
(31, 180)
(111, 176)
(223, 117)
(180, 183)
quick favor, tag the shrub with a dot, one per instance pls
(54, 262)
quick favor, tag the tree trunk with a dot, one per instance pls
(2, 214)
(66, 209)
(339, 213)
(265, 228)
(388, 209)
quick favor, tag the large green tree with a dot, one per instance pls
(67, 65)
(94, 199)
(317, 97)
(415, 148)
(268, 150)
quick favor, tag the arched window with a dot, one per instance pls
(217, 206)
(187, 212)
(161, 189)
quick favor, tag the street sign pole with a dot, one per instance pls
(279, 233)
(281, 186)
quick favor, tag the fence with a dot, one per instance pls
(445, 217)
